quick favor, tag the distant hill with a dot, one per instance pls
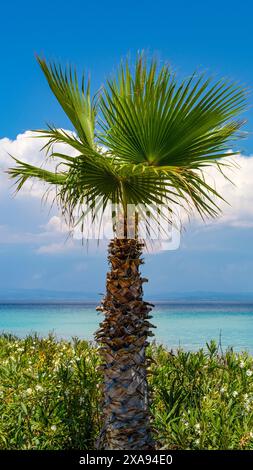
(40, 295)
(205, 296)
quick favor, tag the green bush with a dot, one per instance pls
(50, 396)
(202, 400)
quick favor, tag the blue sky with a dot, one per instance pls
(214, 36)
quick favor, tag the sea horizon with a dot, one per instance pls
(55, 296)
(180, 323)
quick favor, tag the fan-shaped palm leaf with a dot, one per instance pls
(151, 119)
(145, 140)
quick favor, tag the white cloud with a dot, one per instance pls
(54, 248)
(28, 148)
(239, 196)
(46, 235)
(52, 236)
(56, 224)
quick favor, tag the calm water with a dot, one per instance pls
(187, 325)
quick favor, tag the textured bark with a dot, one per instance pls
(123, 338)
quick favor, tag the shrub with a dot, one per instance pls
(50, 394)
(202, 400)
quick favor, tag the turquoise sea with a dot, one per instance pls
(189, 325)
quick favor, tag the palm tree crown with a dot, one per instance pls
(145, 139)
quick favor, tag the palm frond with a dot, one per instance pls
(88, 181)
(58, 136)
(159, 135)
(23, 171)
(74, 99)
(148, 117)
(169, 186)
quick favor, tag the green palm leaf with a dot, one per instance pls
(152, 119)
(147, 140)
(75, 100)
(24, 171)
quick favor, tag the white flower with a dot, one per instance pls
(197, 428)
(242, 364)
(186, 424)
(222, 390)
(197, 442)
(53, 427)
(249, 373)
(39, 388)
(29, 391)
(235, 393)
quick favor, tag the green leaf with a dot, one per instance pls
(75, 100)
(146, 140)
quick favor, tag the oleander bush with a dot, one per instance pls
(50, 396)
(203, 400)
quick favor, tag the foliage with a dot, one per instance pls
(203, 400)
(146, 138)
(50, 394)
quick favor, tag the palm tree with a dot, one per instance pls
(146, 138)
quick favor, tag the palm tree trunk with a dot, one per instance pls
(123, 338)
